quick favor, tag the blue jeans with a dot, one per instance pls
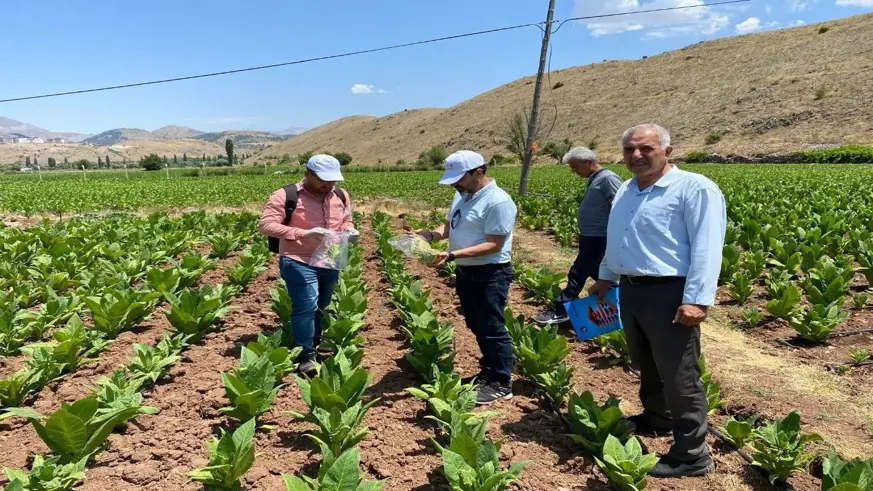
(482, 291)
(310, 290)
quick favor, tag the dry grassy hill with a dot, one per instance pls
(131, 150)
(766, 93)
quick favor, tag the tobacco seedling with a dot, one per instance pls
(342, 473)
(230, 457)
(780, 447)
(593, 423)
(626, 465)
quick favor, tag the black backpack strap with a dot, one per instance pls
(290, 202)
(340, 194)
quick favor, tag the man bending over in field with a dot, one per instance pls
(299, 223)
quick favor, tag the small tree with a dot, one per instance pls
(434, 156)
(108, 163)
(82, 164)
(99, 162)
(302, 158)
(175, 160)
(52, 163)
(184, 157)
(343, 157)
(35, 161)
(66, 162)
(151, 162)
(557, 150)
(27, 161)
(228, 147)
(516, 133)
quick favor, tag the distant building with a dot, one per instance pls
(7, 139)
(57, 140)
(37, 140)
(22, 140)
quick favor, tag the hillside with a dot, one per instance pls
(120, 135)
(13, 128)
(173, 132)
(769, 92)
(131, 150)
(241, 138)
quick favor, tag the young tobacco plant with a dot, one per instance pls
(15, 387)
(334, 401)
(335, 474)
(780, 447)
(251, 387)
(544, 284)
(441, 393)
(119, 310)
(230, 457)
(626, 465)
(151, 363)
(737, 432)
(281, 305)
(163, 281)
(280, 356)
(75, 431)
(741, 286)
(784, 301)
(222, 244)
(249, 265)
(541, 353)
(431, 343)
(474, 465)
(593, 423)
(854, 475)
(615, 344)
(816, 323)
(196, 312)
(828, 282)
(119, 398)
(47, 475)
(714, 401)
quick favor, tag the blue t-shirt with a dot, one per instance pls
(490, 211)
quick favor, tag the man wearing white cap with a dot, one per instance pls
(479, 231)
(299, 215)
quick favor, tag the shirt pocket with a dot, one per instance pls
(654, 220)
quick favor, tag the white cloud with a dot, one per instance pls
(771, 25)
(705, 20)
(362, 89)
(855, 3)
(768, 9)
(751, 24)
(800, 5)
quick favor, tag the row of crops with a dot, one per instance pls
(104, 272)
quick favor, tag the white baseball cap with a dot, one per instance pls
(460, 162)
(325, 167)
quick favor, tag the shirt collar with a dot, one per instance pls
(670, 177)
(591, 177)
(482, 191)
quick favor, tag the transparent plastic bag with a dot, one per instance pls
(415, 247)
(333, 252)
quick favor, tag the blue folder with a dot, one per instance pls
(591, 318)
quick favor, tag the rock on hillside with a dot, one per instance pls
(120, 135)
(775, 91)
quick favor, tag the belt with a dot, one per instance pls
(650, 280)
(483, 267)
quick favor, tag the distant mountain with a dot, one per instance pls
(241, 137)
(10, 126)
(174, 132)
(120, 135)
(291, 131)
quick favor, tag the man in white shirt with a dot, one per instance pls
(479, 231)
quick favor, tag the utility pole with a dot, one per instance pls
(535, 107)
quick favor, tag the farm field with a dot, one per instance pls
(159, 325)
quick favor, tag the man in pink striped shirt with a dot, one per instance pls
(320, 210)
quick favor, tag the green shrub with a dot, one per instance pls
(848, 154)
(434, 156)
(824, 29)
(715, 137)
(821, 93)
(150, 162)
(695, 157)
(343, 157)
(558, 85)
(498, 159)
(556, 150)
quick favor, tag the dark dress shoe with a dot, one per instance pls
(671, 467)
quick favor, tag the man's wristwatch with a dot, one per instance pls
(451, 257)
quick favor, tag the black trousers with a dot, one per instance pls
(666, 355)
(482, 291)
(586, 265)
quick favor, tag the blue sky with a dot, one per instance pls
(60, 45)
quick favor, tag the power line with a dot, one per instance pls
(356, 53)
